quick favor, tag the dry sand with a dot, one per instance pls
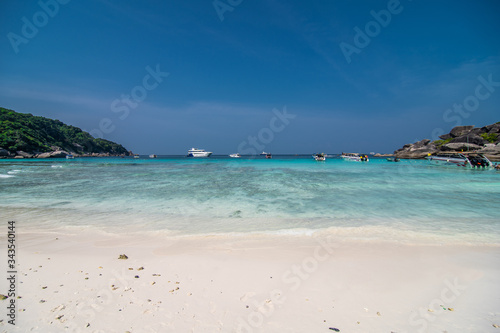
(74, 282)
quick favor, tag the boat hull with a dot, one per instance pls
(200, 154)
(355, 158)
(460, 160)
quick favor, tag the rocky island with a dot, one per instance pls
(484, 140)
(23, 135)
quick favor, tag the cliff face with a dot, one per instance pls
(484, 140)
(24, 135)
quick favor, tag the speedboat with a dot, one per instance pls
(268, 155)
(194, 152)
(237, 155)
(462, 159)
(70, 156)
(153, 156)
(319, 157)
(354, 157)
(393, 159)
(263, 153)
(136, 156)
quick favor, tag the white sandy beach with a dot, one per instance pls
(74, 282)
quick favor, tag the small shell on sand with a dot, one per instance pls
(123, 256)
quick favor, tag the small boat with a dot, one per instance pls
(393, 159)
(462, 159)
(70, 157)
(319, 157)
(263, 153)
(268, 155)
(136, 156)
(354, 157)
(153, 156)
(237, 155)
(194, 152)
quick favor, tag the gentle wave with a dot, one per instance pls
(282, 197)
(6, 176)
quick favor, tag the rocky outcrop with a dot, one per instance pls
(53, 154)
(485, 140)
(460, 146)
(4, 152)
(492, 151)
(418, 149)
(470, 138)
(460, 130)
(24, 154)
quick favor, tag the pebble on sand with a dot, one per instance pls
(123, 256)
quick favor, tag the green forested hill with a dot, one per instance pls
(33, 134)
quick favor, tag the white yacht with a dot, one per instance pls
(463, 159)
(194, 152)
(237, 155)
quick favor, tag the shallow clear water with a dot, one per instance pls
(293, 194)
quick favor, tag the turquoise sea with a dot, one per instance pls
(178, 196)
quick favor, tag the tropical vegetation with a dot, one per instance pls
(34, 134)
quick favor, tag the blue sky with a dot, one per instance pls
(250, 75)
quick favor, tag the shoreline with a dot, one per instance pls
(251, 284)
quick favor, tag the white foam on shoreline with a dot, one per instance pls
(6, 176)
(365, 234)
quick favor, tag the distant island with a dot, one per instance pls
(484, 140)
(23, 135)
